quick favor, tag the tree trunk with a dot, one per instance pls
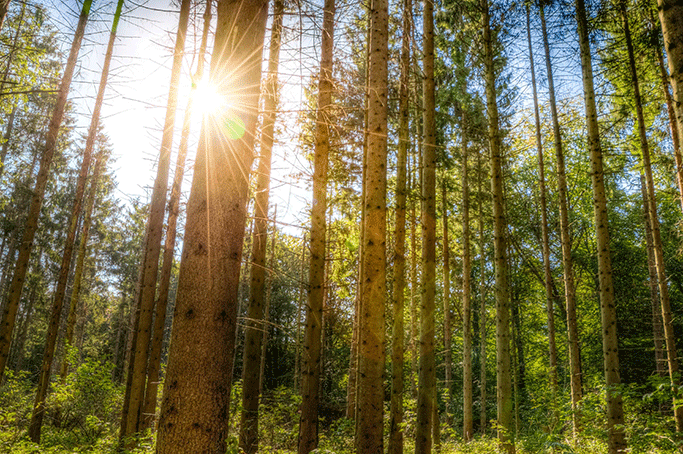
(370, 396)
(552, 350)
(482, 304)
(658, 248)
(565, 238)
(10, 311)
(414, 289)
(468, 419)
(398, 332)
(266, 314)
(503, 370)
(195, 407)
(302, 290)
(133, 406)
(610, 344)
(447, 314)
(153, 369)
(310, 373)
(60, 291)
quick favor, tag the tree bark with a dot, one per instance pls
(398, 331)
(447, 314)
(312, 353)
(369, 437)
(16, 287)
(482, 304)
(133, 406)
(552, 350)
(565, 239)
(503, 368)
(195, 407)
(468, 400)
(610, 344)
(658, 248)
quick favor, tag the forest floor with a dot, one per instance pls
(90, 407)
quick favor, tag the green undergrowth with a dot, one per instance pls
(82, 417)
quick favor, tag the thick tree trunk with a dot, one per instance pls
(60, 291)
(10, 311)
(195, 407)
(427, 377)
(565, 238)
(468, 400)
(369, 436)
(310, 373)
(153, 369)
(658, 248)
(552, 350)
(133, 406)
(503, 368)
(610, 344)
(255, 326)
(398, 330)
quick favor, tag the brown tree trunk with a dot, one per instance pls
(552, 350)
(310, 372)
(369, 437)
(10, 311)
(658, 248)
(414, 289)
(503, 368)
(131, 422)
(447, 314)
(153, 369)
(427, 377)
(482, 303)
(468, 400)
(195, 407)
(266, 314)
(565, 238)
(60, 291)
(302, 291)
(610, 344)
(398, 330)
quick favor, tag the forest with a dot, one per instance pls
(337, 226)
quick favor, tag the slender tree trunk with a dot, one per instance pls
(132, 423)
(6, 139)
(657, 326)
(427, 377)
(503, 370)
(60, 292)
(468, 401)
(669, 336)
(14, 47)
(302, 291)
(195, 407)
(369, 437)
(414, 291)
(447, 314)
(565, 238)
(10, 311)
(610, 344)
(253, 336)
(310, 373)
(266, 314)
(552, 350)
(398, 332)
(153, 369)
(482, 303)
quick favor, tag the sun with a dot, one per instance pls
(207, 99)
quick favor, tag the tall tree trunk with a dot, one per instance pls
(669, 336)
(370, 397)
(657, 326)
(427, 377)
(552, 350)
(565, 238)
(670, 14)
(153, 369)
(266, 314)
(132, 417)
(195, 407)
(310, 372)
(482, 302)
(610, 344)
(414, 288)
(503, 368)
(255, 327)
(10, 311)
(302, 291)
(468, 401)
(447, 314)
(60, 292)
(398, 331)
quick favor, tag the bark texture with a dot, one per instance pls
(467, 395)
(195, 407)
